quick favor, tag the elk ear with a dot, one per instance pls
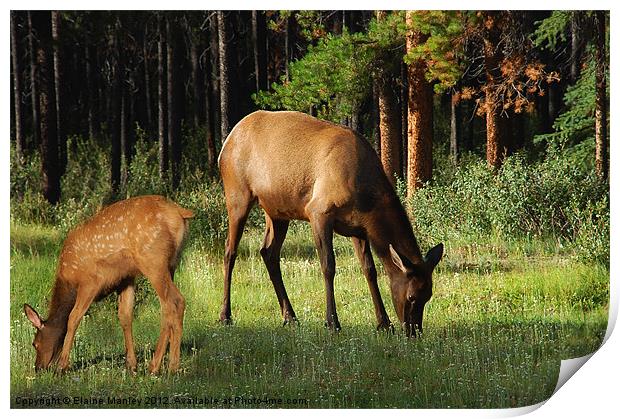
(401, 263)
(434, 256)
(33, 316)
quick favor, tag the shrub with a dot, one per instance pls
(552, 198)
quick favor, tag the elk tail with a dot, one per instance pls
(185, 213)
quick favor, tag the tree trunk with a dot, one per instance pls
(17, 90)
(34, 93)
(420, 116)
(575, 50)
(496, 146)
(389, 129)
(124, 140)
(114, 108)
(496, 150)
(259, 29)
(174, 95)
(197, 82)
(162, 99)
(147, 83)
(389, 121)
(59, 94)
(404, 119)
(600, 121)
(376, 135)
(209, 89)
(455, 127)
(287, 47)
(518, 131)
(223, 70)
(42, 24)
(555, 101)
(468, 125)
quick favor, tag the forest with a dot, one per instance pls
(492, 126)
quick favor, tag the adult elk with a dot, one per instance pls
(298, 167)
(141, 235)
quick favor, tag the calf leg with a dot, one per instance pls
(84, 298)
(275, 232)
(362, 250)
(126, 299)
(172, 309)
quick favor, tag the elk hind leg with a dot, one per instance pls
(172, 309)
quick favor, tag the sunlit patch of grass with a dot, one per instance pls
(496, 329)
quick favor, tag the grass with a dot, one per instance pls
(501, 318)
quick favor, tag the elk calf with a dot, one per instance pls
(141, 235)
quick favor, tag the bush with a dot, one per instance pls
(553, 198)
(558, 198)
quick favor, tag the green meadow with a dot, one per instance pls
(502, 317)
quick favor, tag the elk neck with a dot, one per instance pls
(389, 224)
(61, 304)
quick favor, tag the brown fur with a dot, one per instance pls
(141, 235)
(298, 167)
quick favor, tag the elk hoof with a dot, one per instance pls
(225, 321)
(292, 321)
(385, 327)
(334, 327)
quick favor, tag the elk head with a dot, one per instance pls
(48, 339)
(412, 286)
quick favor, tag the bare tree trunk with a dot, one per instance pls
(210, 90)
(390, 130)
(389, 121)
(575, 50)
(17, 90)
(41, 23)
(404, 119)
(58, 84)
(224, 76)
(90, 92)
(114, 111)
(468, 109)
(197, 82)
(34, 93)
(496, 150)
(376, 135)
(124, 140)
(162, 99)
(174, 96)
(147, 83)
(259, 29)
(496, 147)
(420, 116)
(455, 127)
(600, 121)
(287, 47)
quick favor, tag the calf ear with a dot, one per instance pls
(434, 256)
(33, 316)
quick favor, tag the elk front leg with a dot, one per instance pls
(362, 250)
(323, 232)
(237, 216)
(84, 298)
(126, 299)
